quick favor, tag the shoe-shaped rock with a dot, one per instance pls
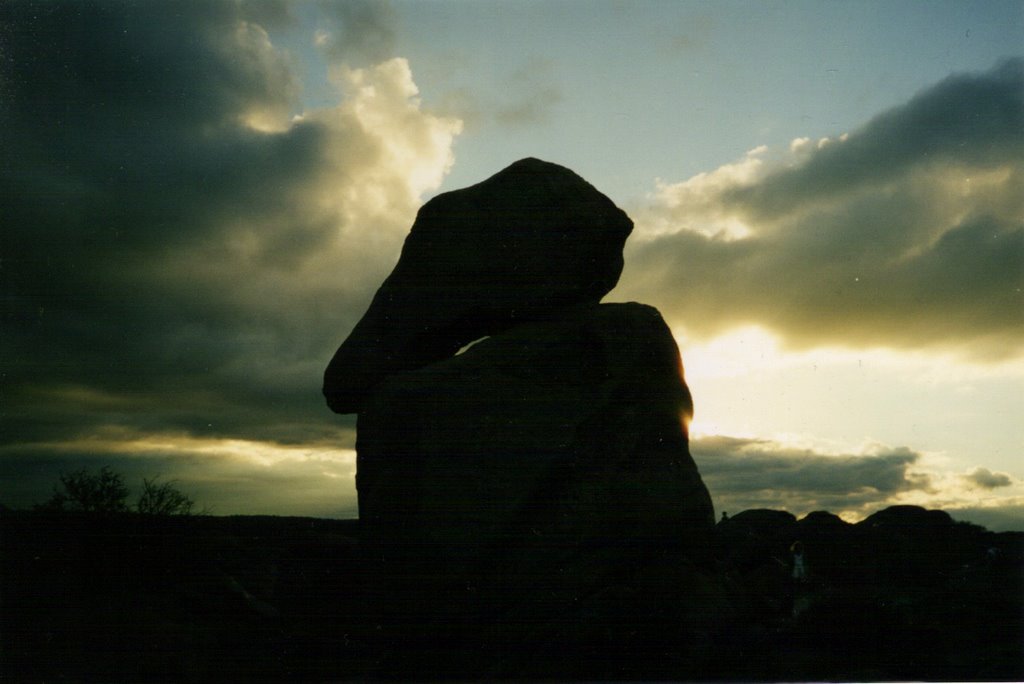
(520, 246)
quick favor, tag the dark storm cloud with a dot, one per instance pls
(751, 473)
(179, 252)
(907, 233)
(123, 140)
(966, 119)
(121, 69)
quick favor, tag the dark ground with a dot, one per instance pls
(904, 595)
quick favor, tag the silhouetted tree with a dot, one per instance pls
(103, 492)
(163, 499)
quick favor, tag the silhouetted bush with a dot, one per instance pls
(163, 499)
(103, 492)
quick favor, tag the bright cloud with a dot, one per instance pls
(907, 233)
(698, 200)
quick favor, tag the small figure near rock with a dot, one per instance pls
(799, 565)
(801, 595)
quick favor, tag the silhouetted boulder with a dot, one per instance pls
(907, 519)
(534, 498)
(828, 543)
(530, 240)
(763, 522)
(822, 522)
(908, 543)
(754, 536)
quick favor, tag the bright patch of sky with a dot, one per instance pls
(830, 399)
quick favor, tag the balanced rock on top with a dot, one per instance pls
(523, 244)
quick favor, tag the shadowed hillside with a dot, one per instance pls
(905, 594)
(182, 599)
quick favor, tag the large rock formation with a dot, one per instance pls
(530, 506)
(535, 495)
(522, 244)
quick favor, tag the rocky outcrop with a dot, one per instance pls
(530, 504)
(955, 616)
(538, 489)
(528, 241)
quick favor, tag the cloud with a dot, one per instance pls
(973, 121)
(529, 95)
(183, 246)
(907, 233)
(744, 473)
(698, 202)
(357, 31)
(986, 479)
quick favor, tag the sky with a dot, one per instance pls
(199, 199)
